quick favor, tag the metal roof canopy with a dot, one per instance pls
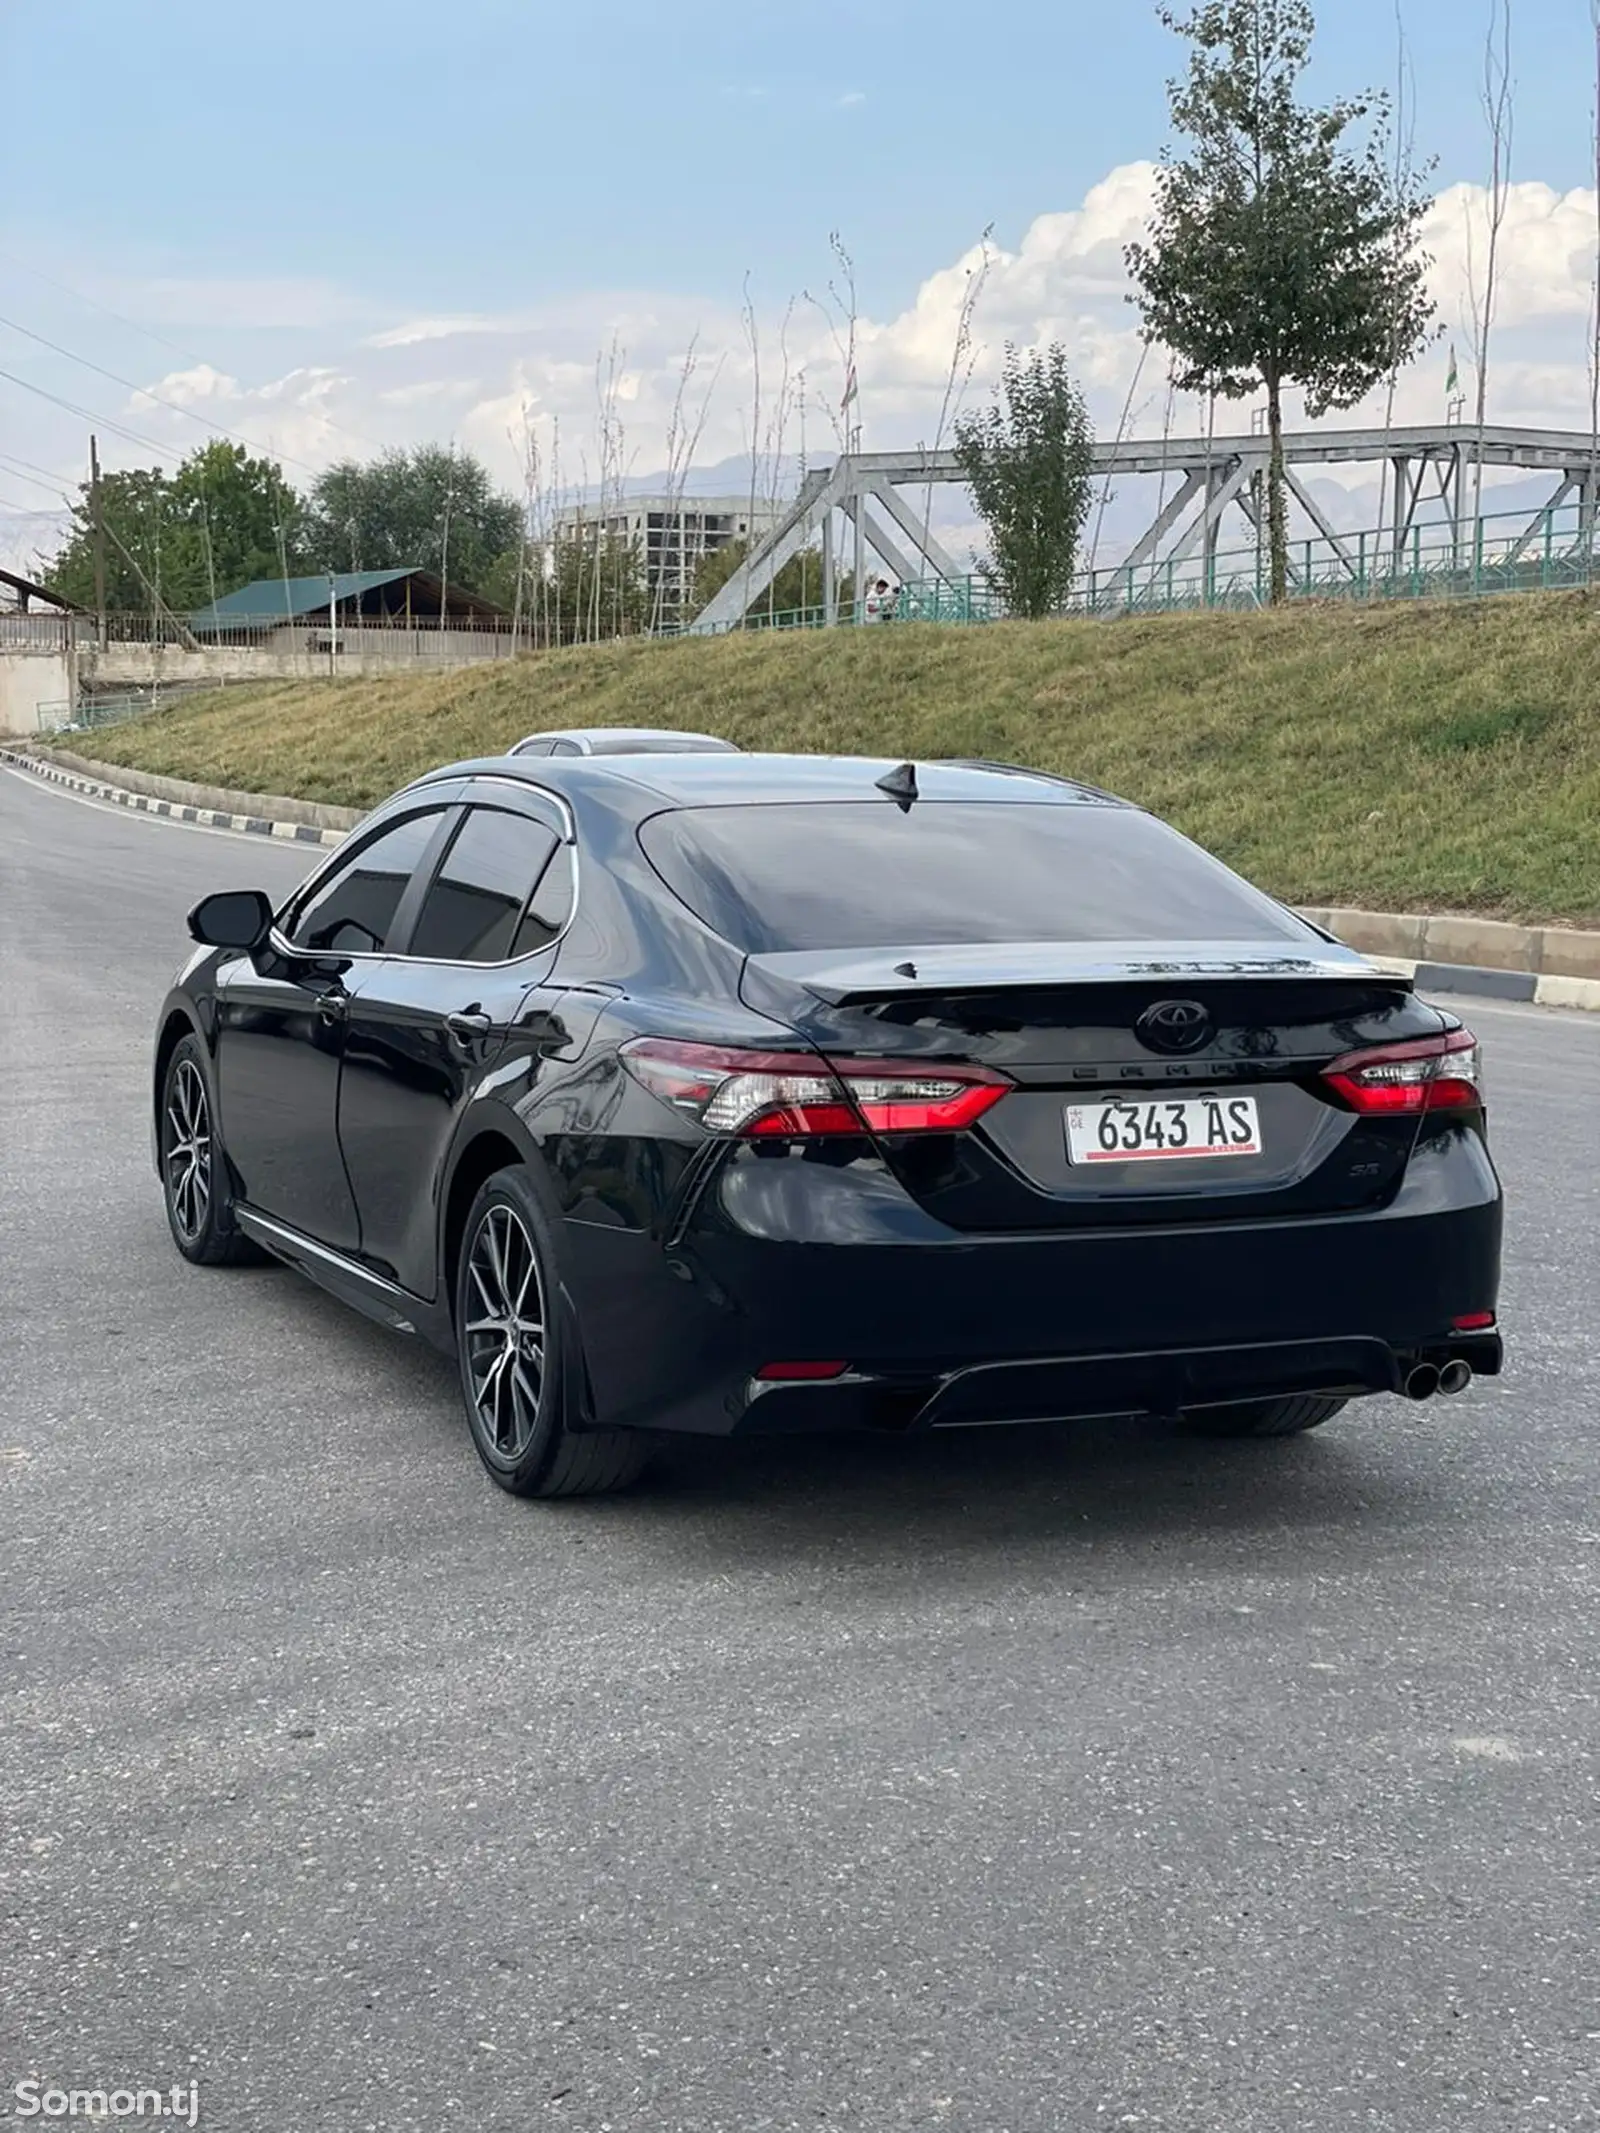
(1214, 473)
(272, 601)
(26, 591)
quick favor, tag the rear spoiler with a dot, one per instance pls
(837, 977)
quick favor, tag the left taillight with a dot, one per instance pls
(796, 1095)
(1402, 1080)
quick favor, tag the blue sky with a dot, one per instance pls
(437, 155)
(438, 216)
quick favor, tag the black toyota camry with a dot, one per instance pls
(732, 1093)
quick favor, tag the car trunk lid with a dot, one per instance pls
(1086, 1026)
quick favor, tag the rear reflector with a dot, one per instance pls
(800, 1373)
(1429, 1074)
(1473, 1322)
(798, 1095)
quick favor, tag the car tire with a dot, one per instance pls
(194, 1166)
(1265, 1418)
(521, 1376)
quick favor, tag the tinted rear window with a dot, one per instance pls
(796, 875)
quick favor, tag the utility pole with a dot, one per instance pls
(444, 562)
(99, 525)
(858, 560)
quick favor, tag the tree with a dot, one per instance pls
(220, 521)
(136, 511)
(588, 587)
(797, 585)
(242, 519)
(1279, 253)
(428, 509)
(1029, 462)
(1498, 114)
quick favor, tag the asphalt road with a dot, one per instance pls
(1011, 1783)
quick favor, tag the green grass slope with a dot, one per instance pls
(1398, 757)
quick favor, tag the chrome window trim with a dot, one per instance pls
(287, 948)
(473, 778)
(342, 855)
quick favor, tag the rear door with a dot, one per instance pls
(1131, 987)
(430, 1018)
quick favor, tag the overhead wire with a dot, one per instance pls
(87, 414)
(189, 355)
(172, 407)
(94, 303)
(21, 470)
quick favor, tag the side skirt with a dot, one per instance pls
(344, 1278)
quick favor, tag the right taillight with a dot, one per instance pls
(1402, 1080)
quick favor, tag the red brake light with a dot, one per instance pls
(800, 1373)
(1473, 1322)
(767, 1095)
(1428, 1074)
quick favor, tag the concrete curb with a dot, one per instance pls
(1525, 987)
(1459, 943)
(260, 806)
(286, 832)
(1551, 966)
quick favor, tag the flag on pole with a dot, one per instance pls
(1452, 382)
(849, 390)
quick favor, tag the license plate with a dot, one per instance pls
(1169, 1129)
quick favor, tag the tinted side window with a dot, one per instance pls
(550, 906)
(353, 910)
(472, 910)
(860, 874)
(565, 748)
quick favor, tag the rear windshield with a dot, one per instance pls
(862, 874)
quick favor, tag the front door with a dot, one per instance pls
(279, 1046)
(429, 1019)
(281, 1025)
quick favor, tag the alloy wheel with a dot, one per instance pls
(504, 1334)
(187, 1152)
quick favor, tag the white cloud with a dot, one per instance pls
(186, 388)
(26, 535)
(1546, 257)
(430, 391)
(416, 331)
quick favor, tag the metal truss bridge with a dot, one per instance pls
(857, 512)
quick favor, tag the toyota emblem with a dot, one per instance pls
(1174, 1026)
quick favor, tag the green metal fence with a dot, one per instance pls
(1503, 552)
(91, 711)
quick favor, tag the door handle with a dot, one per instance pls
(471, 1026)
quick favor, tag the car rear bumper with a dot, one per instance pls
(1051, 1388)
(942, 1329)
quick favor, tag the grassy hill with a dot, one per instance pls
(1436, 757)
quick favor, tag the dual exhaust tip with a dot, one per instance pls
(1428, 1378)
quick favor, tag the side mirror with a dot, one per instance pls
(233, 918)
